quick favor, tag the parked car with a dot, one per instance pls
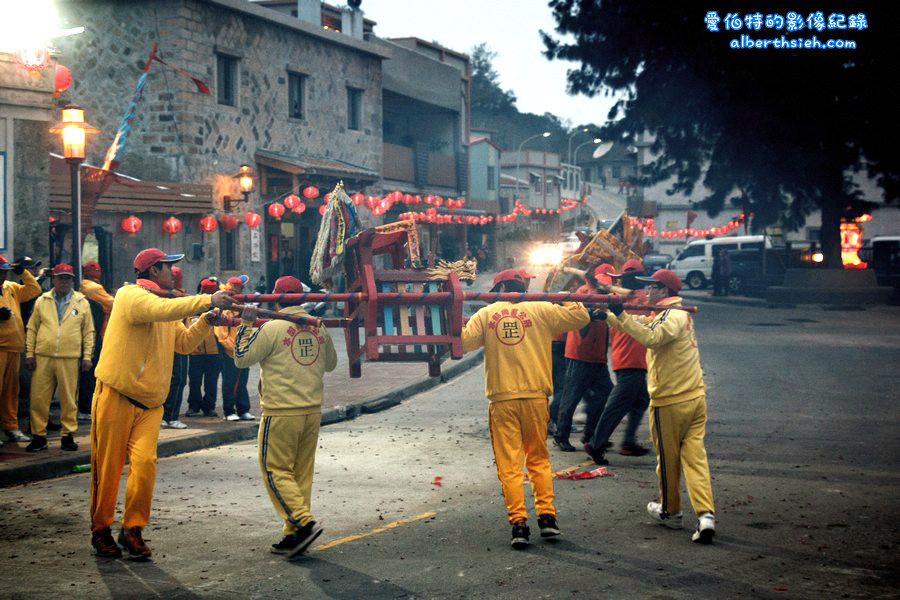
(883, 256)
(694, 263)
(654, 262)
(746, 267)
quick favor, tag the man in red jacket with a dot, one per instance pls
(629, 362)
(586, 373)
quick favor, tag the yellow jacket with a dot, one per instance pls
(673, 360)
(95, 291)
(72, 338)
(143, 334)
(208, 346)
(516, 339)
(12, 331)
(294, 358)
(225, 334)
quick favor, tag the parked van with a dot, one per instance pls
(694, 264)
(883, 256)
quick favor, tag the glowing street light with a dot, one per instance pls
(245, 180)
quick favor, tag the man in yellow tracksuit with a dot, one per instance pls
(677, 404)
(294, 358)
(517, 380)
(59, 342)
(132, 383)
(235, 398)
(12, 343)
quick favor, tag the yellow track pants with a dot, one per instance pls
(519, 436)
(677, 431)
(54, 374)
(287, 455)
(9, 390)
(120, 429)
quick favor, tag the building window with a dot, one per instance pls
(354, 107)
(296, 95)
(226, 79)
(537, 185)
(491, 178)
(227, 250)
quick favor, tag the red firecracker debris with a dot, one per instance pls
(437, 480)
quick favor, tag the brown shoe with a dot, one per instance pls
(130, 539)
(103, 542)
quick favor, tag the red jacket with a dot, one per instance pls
(592, 347)
(627, 353)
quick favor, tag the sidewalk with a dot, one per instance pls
(381, 386)
(706, 296)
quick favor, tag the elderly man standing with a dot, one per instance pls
(59, 341)
(132, 383)
(12, 343)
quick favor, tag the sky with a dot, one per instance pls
(512, 29)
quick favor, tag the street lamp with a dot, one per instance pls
(569, 155)
(580, 146)
(546, 134)
(245, 179)
(74, 130)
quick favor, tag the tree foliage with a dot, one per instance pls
(486, 91)
(778, 131)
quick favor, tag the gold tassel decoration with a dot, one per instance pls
(465, 268)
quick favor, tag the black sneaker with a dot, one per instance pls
(285, 545)
(520, 533)
(596, 455)
(193, 412)
(38, 443)
(563, 444)
(67, 442)
(304, 538)
(210, 413)
(548, 525)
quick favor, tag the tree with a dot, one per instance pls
(486, 91)
(778, 131)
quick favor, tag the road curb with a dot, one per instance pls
(754, 302)
(64, 465)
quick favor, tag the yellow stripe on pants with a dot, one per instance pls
(287, 456)
(54, 374)
(9, 390)
(120, 429)
(677, 431)
(519, 436)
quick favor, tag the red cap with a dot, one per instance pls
(509, 275)
(526, 275)
(91, 269)
(149, 257)
(208, 286)
(63, 269)
(600, 273)
(288, 285)
(632, 266)
(665, 277)
(4, 264)
(240, 280)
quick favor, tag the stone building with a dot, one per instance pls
(300, 104)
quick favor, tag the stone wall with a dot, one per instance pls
(32, 189)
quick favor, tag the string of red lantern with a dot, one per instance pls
(208, 223)
(647, 226)
(130, 224)
(252, 220)
(172, 226)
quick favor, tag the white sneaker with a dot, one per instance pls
(247, 417)
(164, 424)
(83, 417)
(232, 417)
(16, 435)
(706, 529)
(177, 425)
(672, 521)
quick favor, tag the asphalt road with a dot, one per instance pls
(803, 448)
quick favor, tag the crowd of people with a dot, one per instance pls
(57, 335)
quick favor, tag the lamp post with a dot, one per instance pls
(546, 134)
(580, 146)
(245, 179)
(569, 155)
(74, 130)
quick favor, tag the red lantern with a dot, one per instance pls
(322, 210)
(407, 198)
(357, 198)
(172, 226)
(131, 224)
(208, 223)
(395, 196)
(372, 202)
(290, 202)
(300, 208)
(311, 192)
(253, 219)
(438, 201)
(63, 78)
(229, 222)
(33, 59)
(460, 202)
(276, 209)
(417, 200)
